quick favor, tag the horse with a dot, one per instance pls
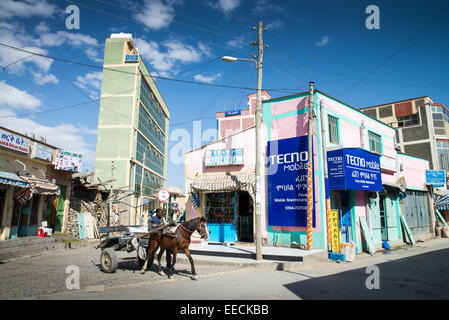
(179, 241)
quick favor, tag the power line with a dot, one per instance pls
(225, 33)
(140, 23)
(439, 12)
(127, 72)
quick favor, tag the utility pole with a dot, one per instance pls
(309, 167)
(259, 177)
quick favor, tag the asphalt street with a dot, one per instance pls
(419, 272)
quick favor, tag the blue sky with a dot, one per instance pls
(322, 41)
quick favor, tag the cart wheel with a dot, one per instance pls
(108, 260)
(141, 255)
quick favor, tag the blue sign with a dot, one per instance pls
(233, 113)
(132, 58)
(354, 169)
(223, 157)
(437, 178)
(287, 161)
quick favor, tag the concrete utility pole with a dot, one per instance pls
(309, 167)
(259, 177)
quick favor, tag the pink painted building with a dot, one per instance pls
(220, 175)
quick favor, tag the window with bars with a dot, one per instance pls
(333, 130)
(375, 142)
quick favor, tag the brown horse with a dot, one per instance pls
(179, 241)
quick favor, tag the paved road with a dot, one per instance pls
(43, 275)
(421, 272)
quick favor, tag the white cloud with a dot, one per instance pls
(323, 42)
(10, 9)
(225, 6)
(267, 7)
(238, 42)
(42, 79)
(155, 14)
(63, 135)
(166, 57)
(276, 25)
(207, 78)
(13, 98)
(91, 82)
(14, 34)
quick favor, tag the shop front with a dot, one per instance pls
(227, 203)
(356, 184)
(29, 205)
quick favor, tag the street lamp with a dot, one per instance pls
(258, 149)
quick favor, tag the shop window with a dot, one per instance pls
(220, 207)
(15, 214)
(333, 130)
(375, 142)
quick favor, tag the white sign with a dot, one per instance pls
(223, 157)
(388, 163)
(14, 141)
(41, 152)
(68, 161)
(163, 195)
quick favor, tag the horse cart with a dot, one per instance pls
(125, 238)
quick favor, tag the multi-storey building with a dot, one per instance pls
(132, 140)
(364, 183)
(422, 128)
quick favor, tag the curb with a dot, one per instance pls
(11, 253)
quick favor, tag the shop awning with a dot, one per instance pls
(225, 183)
(441, 199)
(42, 187)
(392, 185)
(12, 179)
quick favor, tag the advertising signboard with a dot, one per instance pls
(14, 141)
(436, 178)
(42, 152)
(287, 161)
(68, 161)
(354, 169)
(224, 157)
(335, 231)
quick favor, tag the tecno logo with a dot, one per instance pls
(286, 158)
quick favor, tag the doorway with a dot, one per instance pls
(345, 216)
(245, 232)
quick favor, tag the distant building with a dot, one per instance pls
(422, 128)
(33, 187)
(132, 140)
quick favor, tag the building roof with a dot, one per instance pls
(383, 104)
(35, 140)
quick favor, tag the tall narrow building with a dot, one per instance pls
(132, 140)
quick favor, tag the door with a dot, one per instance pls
(245, 217)
(24, 219)
(345, 217)
(391, 216)
(416, 212)
(376, 229)
(383, 218)
(60, 209)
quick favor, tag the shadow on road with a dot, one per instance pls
(424, 276)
